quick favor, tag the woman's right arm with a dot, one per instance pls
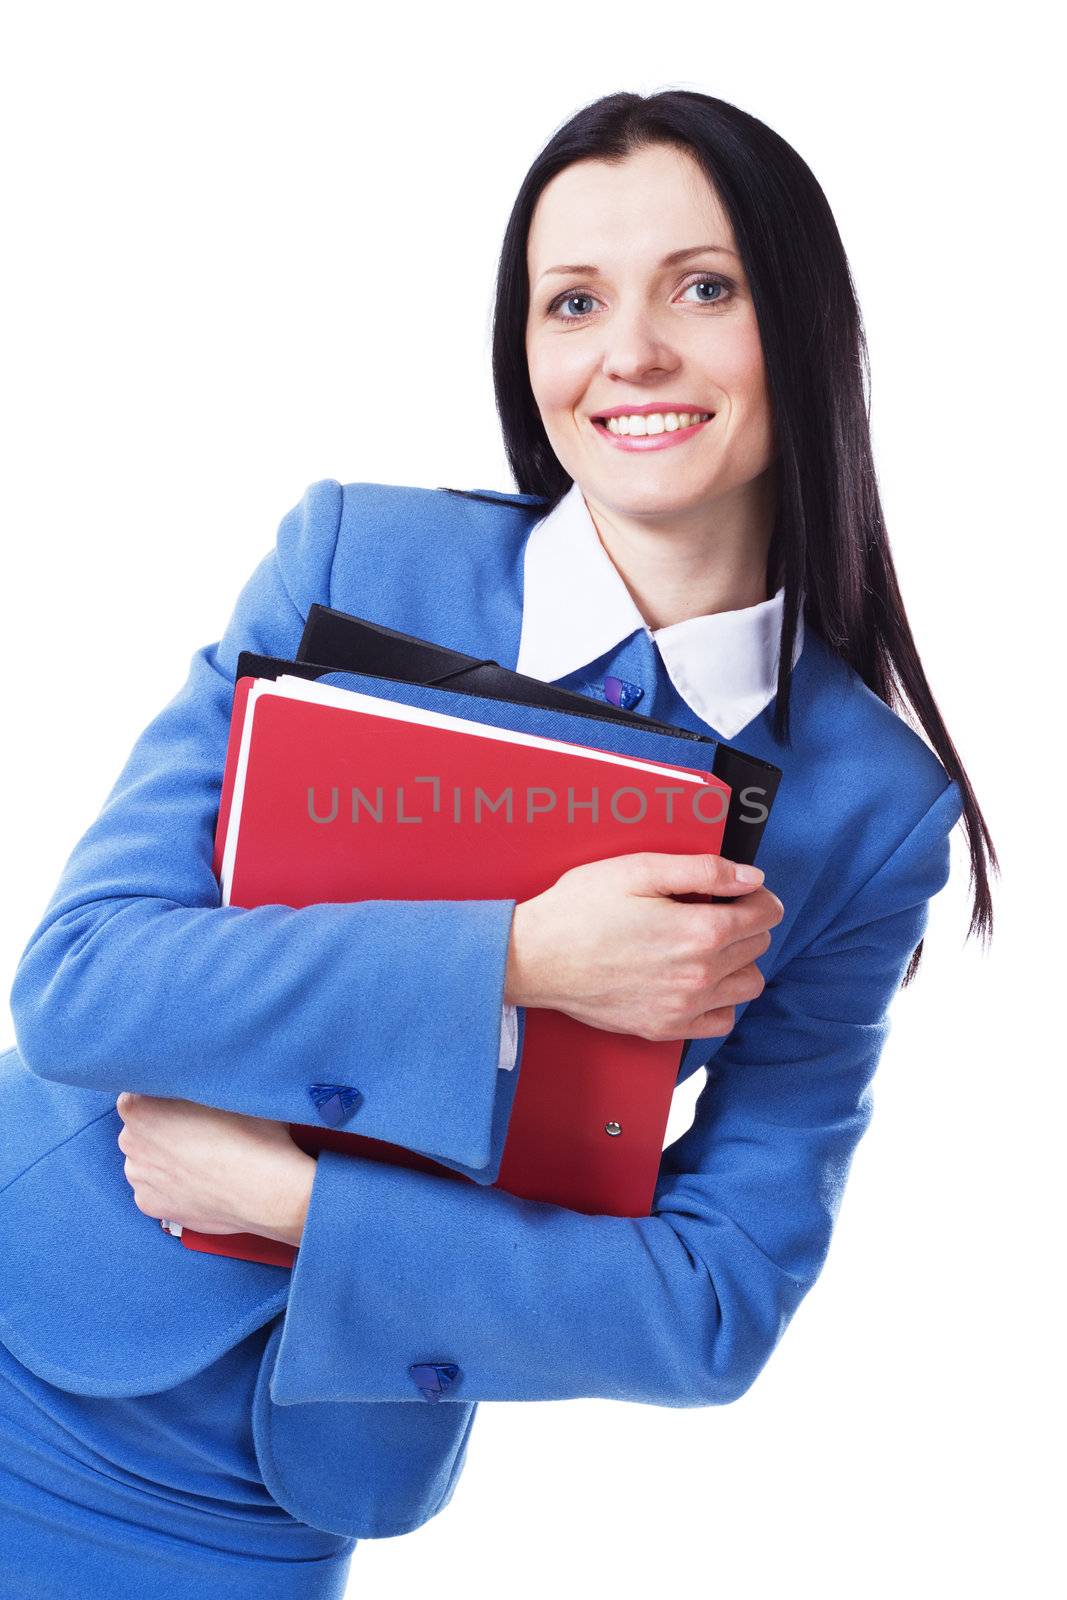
(138, 978)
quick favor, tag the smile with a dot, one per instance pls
(649, 441)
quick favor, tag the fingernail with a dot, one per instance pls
(748, 874)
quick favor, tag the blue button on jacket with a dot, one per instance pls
(138, 978)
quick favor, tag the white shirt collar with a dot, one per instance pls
(576, 607)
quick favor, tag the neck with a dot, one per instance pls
(692, 562)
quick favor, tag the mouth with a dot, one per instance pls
(660, 440)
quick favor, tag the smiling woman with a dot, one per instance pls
(672, 355)
(695, 530)
(670, 256)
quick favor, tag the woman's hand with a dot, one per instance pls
(214, 1171)
(609, 946)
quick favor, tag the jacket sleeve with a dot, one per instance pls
(138, 978)
(409, 1285)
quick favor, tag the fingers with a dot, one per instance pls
(714, 1024)
(739, 952)
(760, 910)
(653, 872)
(725, 925)
(736, 988)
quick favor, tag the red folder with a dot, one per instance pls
(576, 1082)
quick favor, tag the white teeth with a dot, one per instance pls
(656, 422)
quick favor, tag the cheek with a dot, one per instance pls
(558, 376)
(739, 369)
(739, 365)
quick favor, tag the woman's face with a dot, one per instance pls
(632, 328)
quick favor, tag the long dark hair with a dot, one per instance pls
(829, 543)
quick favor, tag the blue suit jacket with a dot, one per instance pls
(408, 1286)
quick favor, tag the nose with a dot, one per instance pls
(635, 346)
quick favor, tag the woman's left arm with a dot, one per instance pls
(400, 1272)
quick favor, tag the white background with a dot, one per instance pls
(253, 246)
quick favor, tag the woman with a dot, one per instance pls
(714, 555)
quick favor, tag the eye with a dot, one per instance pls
(564, 299)
(709, 283)
(705, 280)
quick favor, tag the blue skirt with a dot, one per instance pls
(158, 1496)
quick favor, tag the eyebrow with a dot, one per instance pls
(585, 267)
